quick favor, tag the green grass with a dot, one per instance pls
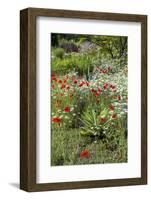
(66, 146)
(82, 63)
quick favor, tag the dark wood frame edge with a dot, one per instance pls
(28, 99)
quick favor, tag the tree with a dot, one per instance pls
(115, 46)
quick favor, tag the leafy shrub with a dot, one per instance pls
(59, 52)
(83, 64)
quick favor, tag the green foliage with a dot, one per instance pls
(91, 122)
(82, 40)
(108, 49)
(59, 53)
(114, 46)
(81, 63)
(69, 148)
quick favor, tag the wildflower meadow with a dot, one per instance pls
(89, 77)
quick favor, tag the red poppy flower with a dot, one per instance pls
(75, 81)
(114, 116)
(60, 81)
(104, 71)
(67, 87)
(81, 84)
(93, 90)
(119, 98)
(53, 78)
(62, 86)
(67, 109)
(99, 90)
(87, 83)
(112, 86)
(103, 120)
(56, 120)
(111, 107)
(97, 94)
(85, 154)
(105, 86)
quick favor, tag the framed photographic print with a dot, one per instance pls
(83, 99)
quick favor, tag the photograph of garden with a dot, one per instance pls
(89, 96)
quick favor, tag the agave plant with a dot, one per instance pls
(95, 124)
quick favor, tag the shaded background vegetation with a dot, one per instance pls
(84, 52)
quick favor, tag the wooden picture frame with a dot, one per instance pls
(28, 98)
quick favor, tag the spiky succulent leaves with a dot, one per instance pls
(92, 125)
